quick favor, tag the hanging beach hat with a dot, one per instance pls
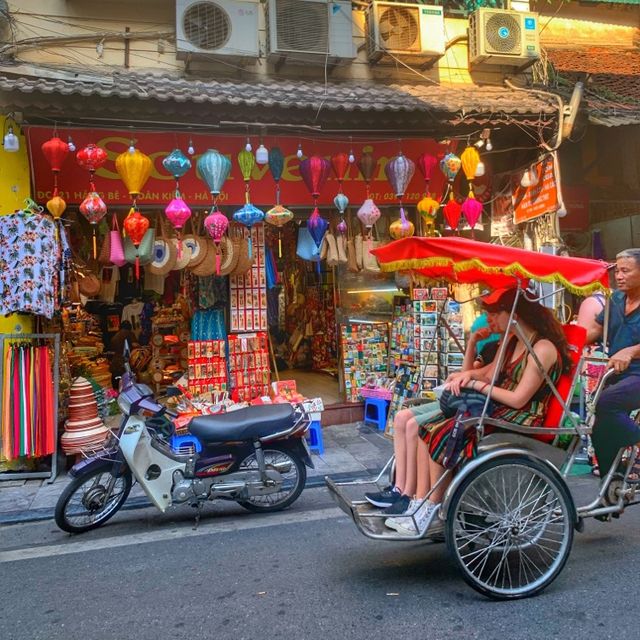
(244, 261)
(229, 256)
(164, 257)
(207, 266)
(196, 246)
(183, 256)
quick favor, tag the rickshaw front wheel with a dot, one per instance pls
(509, 527)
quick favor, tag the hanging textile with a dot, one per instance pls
(27, 426)
(30, 254)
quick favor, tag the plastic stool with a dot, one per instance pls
(314, 437)
(185, 444)
(375, 412)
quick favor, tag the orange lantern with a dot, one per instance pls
(136, 225)
(56, 206)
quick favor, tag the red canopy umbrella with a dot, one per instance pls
(459, 260)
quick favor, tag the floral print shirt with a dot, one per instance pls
(30, 257)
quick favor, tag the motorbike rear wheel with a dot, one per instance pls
(88, 501)
(293, 481)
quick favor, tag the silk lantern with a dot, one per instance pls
(178, 212)
(342, 227)
(472, 210)
(315, 171)
(317, 226)
(92, 158)
(216, 224)
(340, 166)
(452, 211)
(341, 202)
(214, 168)
(278, 216)
(399, 171)
(368, 214)
(276, 167)
(427, 164)
(93, 209)
(450, 165)
(55, 151)
(136, 225)
(134, 170)
(56, 206)
(401, 228)
(177, 164)
(428, 210)
(367, 165)
(246, 161)
(248, 215)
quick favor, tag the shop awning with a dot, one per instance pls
(612, 92)
(461, 103)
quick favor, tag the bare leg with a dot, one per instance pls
(400, 446)
(424, 482)
(411, 463)
(435, 473)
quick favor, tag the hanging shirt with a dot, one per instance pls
(132, 313)
(29, 264)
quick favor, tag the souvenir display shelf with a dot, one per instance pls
(401, 345)
(249, 374)
(364, 353)
(207, 366)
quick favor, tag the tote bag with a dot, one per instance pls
(307, 249)
(144, 251)
(116, 250)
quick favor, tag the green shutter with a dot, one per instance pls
(636, 2)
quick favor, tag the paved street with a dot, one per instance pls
(303, 573)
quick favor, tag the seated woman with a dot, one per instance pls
(480, 351)
(520, 395)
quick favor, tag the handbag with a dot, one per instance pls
(341, 242)
(332, 249)
(359, 251)
(104, 257)
(116, 250)
(144, 251)
(306, 247)
(369, 261)
(88, 284)
(470, 400)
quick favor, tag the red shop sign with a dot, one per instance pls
(73, 180)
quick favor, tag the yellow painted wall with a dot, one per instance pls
(14, 175)
(15, 186)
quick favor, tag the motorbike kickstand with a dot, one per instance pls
(198, 508)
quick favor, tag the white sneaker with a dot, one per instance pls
(425, 517)
(401, 521)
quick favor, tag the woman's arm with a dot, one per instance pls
(531, 379)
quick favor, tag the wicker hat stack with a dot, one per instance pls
(83, 430)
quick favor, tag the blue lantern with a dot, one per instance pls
(214, 169)
(248, 215)
(176, 163)
(342, 202)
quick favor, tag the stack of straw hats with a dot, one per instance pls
(84, 430)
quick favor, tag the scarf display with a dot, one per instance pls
(27, 426)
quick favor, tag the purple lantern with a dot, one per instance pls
(317, 226)
(399, 171)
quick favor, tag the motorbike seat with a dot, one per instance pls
(243, 424)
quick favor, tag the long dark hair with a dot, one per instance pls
(540, 319)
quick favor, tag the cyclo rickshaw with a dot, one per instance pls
(508, 514)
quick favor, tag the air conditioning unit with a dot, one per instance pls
(217, 28)
(498, 37)
(309, 30)
(404, 30)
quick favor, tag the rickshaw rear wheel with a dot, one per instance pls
(509, 527)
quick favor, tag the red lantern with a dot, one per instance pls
(55, 151)
(427, 163)
(452, 211)
(91, 157)
(136, 225)
(340, 164)
(367, 165)
(93, 209)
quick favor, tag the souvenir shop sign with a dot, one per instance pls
(160, 187)
(536, 200)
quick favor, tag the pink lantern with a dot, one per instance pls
(93, 209)
(426, 164)
(178, 213)
(368, 214)
(472, 211)
(216, 224)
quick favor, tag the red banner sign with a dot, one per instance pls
(73, 180)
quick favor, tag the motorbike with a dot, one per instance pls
(254, 456)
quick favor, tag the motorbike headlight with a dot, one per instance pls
(124, 403)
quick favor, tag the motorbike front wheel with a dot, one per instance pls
(92, 498)
(294, 476)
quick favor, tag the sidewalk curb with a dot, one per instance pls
(40, 515)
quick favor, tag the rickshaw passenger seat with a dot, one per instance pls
(577, 338)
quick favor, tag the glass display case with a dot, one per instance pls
(365, 296)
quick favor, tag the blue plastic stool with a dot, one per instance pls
(314, 437)
(375, 412)
(185, 444)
